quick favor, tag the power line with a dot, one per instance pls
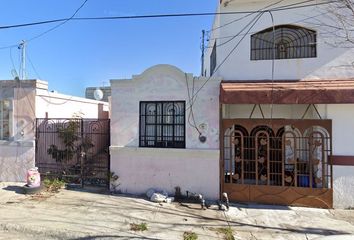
(283, 8)
(239, 19)
(250, 33)
(229, 40)
(64, 20)
(60, 24)
(194, 97)
(32, 65)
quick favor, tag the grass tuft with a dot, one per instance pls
(190, 236)
(53, 185)
(138, 227)
(227, 232)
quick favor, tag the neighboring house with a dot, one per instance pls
(106, 91)
(21, 102)
(283, 113)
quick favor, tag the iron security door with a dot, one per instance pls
(75, 150)
(277, 161)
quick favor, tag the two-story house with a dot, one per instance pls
(287, 100)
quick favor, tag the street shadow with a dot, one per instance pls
(259, 206)
(114, 237)
(16, 189)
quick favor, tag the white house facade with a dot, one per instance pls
(287, 83)
(154, 143)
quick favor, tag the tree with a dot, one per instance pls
(338, 27)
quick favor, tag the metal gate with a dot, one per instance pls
(75, 150)
(277, 161)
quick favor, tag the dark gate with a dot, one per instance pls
(74, 149)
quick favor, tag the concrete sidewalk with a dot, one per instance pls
(83, 215)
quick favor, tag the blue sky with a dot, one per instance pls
(86, 53)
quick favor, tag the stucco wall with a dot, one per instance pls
(331, 62)
(15, 158)
(342, 116)
(144, 168)
(194, 170)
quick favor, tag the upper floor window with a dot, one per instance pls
(213, 60)
(162, 124)
(5, 119)
(290, 42)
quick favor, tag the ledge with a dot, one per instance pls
(29, 143)
(180, 152)
(342, 160)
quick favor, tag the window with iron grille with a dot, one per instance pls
(213, 60)
(290, 42)
(162, 124)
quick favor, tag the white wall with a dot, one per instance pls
(342, 116)
(57, 105)
(194, 170)
(331, 62)
(289, 111)
(16, 157)
(142, 168)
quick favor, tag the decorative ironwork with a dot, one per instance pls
(162, 124)
(279, 155)
(290, 42)
(76, 150)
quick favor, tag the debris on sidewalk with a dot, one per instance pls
(159, 196)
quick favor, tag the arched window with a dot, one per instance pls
(290, 42)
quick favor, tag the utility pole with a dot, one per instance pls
(203, 48)
(22, 47)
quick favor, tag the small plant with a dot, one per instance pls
(138, 227)
(53, 185)
(227, 232)
(190, 236)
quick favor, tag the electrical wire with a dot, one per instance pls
(194, 97)
(283, 8)
(13, 62)
(250, 33)
(64, 20)
(241, 18)
(60, 24)
(240, 32)
(33, 67)
(191, 113)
